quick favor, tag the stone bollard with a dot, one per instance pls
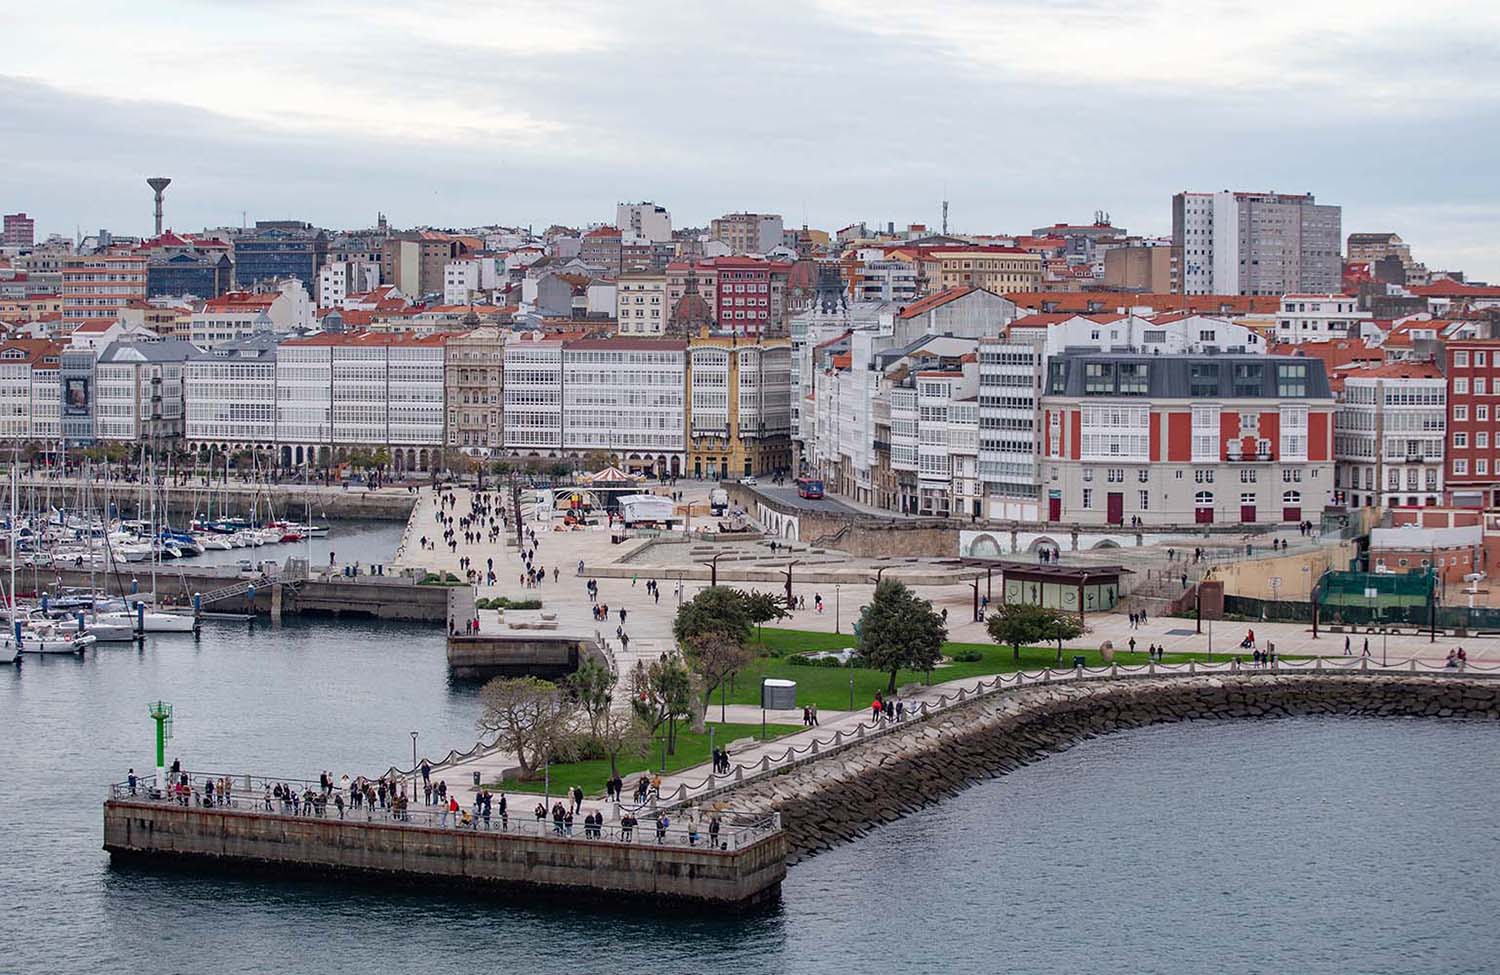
(815, 746)
(765, 763)
(739, 773)
(681, 791)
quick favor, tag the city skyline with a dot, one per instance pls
(1020, 114)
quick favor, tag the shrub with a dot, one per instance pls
(803, 660)
(504, 602)
(967, 657)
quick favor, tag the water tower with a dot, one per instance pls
(158, 186)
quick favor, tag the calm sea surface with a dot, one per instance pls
(1307, 845)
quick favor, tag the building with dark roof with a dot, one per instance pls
(1189, 439)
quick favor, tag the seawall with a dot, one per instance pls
(457, 860)
(839, 796)
(289, 501)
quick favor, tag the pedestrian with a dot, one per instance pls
(1347, 651)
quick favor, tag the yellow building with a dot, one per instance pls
(739, 406)
(998, 269)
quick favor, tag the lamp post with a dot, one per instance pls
(851, 684)
(413, 764)
(713, 569)
(835, 607)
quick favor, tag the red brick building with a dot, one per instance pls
(1473, 476)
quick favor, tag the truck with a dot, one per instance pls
(718, 501)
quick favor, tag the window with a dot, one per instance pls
(1460, 358)
(1177, 474)
(1481, 439)
(1145, 500)
(1203, 378)
(1481, 466)
(1461, 386)
(1098, 377)
(1249, 424)
(1460, 439)
(1291, 380)
(1291, 497)
(1203, 477)
(1393, 479)
(1203, 499)
(1247, 379)
(1292, 475)
(1116, 475)
(1462, 412)
(1247, 497)
(1088, 497)
(1479, 358)
(1088, 474)
(1460, 467)
(1481, 412)
(1247, 475)
(1133, 378)
(1143, 475)
(1479, 387)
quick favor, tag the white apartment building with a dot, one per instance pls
(1010, 389)
(885, 280)
(337, 280)
(626, 398)
(336, 392)
(641, 304)
(1389, 434)
(461, 285)
(230, 394)
(138, 390)
(30, 390)
(1168, 334)
(645, 220)
(533, 396)
(1319, 318)
(235, 315)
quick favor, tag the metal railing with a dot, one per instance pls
(793, 755)
(708, 829)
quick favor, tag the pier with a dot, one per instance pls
(737, 865)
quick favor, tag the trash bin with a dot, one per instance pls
(1078, 661)
(476, 778)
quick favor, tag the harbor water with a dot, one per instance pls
(1307, 845)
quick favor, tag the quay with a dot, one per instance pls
(740, 867)
(291, 591)
(236, 498)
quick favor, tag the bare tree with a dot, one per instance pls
(531, 717)
(621, 733)
(713, 657)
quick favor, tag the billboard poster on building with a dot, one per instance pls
(75, 395)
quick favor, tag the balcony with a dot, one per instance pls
(1245, 457)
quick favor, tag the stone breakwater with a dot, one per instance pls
(824, 803)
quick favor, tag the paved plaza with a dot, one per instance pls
(649, 621)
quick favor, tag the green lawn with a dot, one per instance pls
(828, 687)
(692, 749)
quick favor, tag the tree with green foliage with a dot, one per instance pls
(899, 630)
(592, 685)
(763, 607)
(717, 609)
(660, 693)
(1023, 623)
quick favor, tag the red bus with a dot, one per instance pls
(809, 487)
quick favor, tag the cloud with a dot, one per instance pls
(1024, 112)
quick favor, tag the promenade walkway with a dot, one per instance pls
(648, 624)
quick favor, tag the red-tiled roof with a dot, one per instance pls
(1454, 289)
(1080, 301)
(935, 300)
(1406, 369)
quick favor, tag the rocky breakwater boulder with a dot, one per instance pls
(848, 791)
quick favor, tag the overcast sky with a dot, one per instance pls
(1028, 112)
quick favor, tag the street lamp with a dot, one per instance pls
(414, 764)
(835, 607)
(713, 569)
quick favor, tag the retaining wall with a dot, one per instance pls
(833, 799)
(455, 859)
